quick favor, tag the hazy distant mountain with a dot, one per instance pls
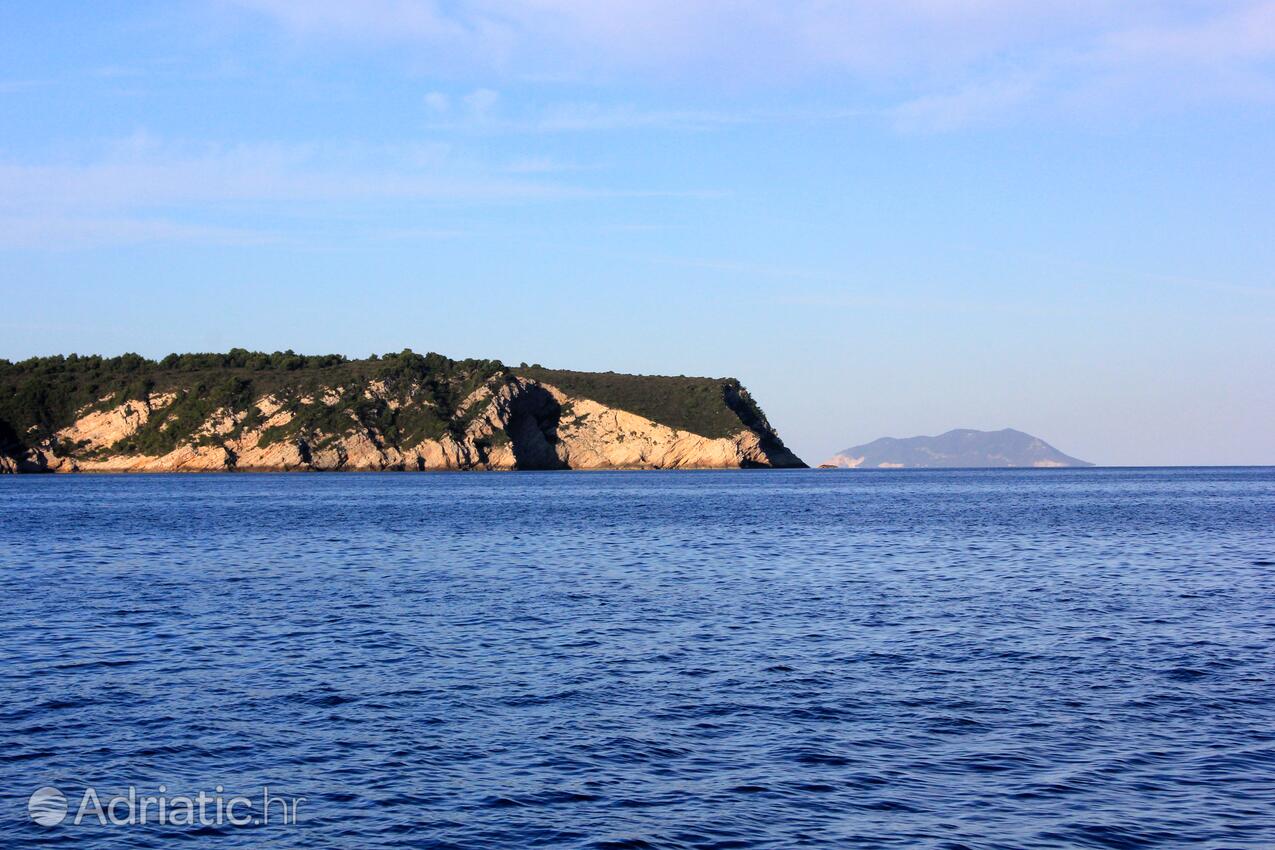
(962, 448)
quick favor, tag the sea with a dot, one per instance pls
(629, 660)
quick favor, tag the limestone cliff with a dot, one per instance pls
(401, 413)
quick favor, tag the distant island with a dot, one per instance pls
(248, 410)
(960, 448)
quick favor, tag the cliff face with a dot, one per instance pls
(506, 422)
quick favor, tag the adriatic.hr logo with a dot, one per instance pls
(49, 807)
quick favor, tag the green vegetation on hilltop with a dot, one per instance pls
(711, 407)
(417, 397)
(42, 395)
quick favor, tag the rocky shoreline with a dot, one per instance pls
(509, 424)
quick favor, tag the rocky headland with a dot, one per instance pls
(251, 411)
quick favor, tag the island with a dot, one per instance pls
(959, 448)
(253, 411)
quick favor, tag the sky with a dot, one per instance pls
(885, 218)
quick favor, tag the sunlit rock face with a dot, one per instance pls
(496, 420)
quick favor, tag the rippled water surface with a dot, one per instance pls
(1045, 659)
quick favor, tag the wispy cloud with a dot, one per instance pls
(582, 117)
(13, 86)
(1237, 31)
(388, 20)
(854, 303)
(735, 267)
(144, 173)
(55, 232)
(948, 62)
(974, 104)
(480, 102)
(1137, 276)
(541, 165)
(859, 34)
(492, 113)
(145, 189)
(418, 234)
(113, 72)
(592, 116)
(438, 102)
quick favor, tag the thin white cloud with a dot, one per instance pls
(1244, 32)
(143, 189)
(418, 234)
(588, 117)
(14, 86)
(570, 117)
(972, 105)
(857, 34)
(935, 55)
(388, 20)
(480, 102)
(918, 304)
(538, 165)
(53, 232)
(115, 72)
(142, 173)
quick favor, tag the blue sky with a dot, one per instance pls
(885, 218)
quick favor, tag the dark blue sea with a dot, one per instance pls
(963, 659)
